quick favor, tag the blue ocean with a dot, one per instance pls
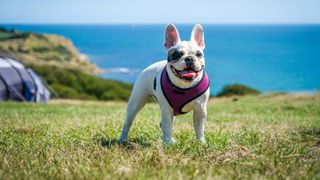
(282, 58)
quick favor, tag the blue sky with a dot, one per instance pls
(164, 11)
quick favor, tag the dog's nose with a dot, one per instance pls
(189, 61)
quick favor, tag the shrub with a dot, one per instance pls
(64, 91)
(237, 89)
(70, 83)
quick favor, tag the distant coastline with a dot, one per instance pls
(68, 73)
(44, 49)
(267, 57)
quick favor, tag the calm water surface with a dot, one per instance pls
(267, 57)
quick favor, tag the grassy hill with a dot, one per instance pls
(74, 84)
(68, 73)
(44, 49)
(255, 137)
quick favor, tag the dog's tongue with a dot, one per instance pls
(189, 74)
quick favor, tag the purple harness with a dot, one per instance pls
(178, 97)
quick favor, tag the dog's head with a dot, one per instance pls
(185, 58)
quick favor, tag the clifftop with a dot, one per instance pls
(44, 49)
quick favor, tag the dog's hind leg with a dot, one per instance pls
(137, 100)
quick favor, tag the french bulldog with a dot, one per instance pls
(179, 84)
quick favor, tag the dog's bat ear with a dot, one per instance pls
(171, 36)
(197, 36)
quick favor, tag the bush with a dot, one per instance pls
(237, 89)
(64, 91)
(69, 93)
(70, 83)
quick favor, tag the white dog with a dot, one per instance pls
(179, 84)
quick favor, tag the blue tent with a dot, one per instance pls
(21, 84)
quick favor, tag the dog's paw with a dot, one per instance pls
(122, 141)
(168, 141)
(202, 140)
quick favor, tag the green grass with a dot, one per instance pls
(266, 136)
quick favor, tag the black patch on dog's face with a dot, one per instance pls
(199, 54)
(175, 55)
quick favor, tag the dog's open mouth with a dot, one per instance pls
(187, 74)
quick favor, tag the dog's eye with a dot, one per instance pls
(199, 54)
(175, 56)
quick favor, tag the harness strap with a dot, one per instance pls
(178, 97)
(155, 83)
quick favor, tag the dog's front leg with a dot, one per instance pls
(199, 118)
(166, 124)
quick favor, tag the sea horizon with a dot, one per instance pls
(267, 57)
(152, 23)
